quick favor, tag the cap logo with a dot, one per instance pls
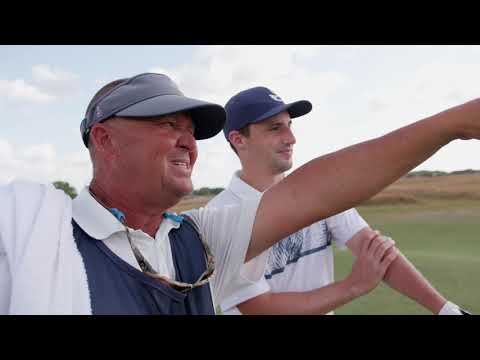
(275, 97)
(98, 112)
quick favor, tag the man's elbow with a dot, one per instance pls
(259, 305)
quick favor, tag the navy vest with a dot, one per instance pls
(116, 287)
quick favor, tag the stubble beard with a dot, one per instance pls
(279, 166)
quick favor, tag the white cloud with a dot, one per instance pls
(431, 88)
(39, 152)
(377, 105)
(47, 85)
(216, 73)
(20, 90)
(55, 81)
(160, 70)
(76, 168)
(215, 164)
(41, 163)
(44, 72)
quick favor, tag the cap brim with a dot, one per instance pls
(208, 118)
(299, 108)
(294, 109)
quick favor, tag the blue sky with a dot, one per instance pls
(358, 92)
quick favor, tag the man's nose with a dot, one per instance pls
(187, 140)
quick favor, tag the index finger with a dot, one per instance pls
(368, 242)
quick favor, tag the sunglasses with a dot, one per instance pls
(177, 285)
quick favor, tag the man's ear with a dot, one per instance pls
(237, 139)
(101, 138)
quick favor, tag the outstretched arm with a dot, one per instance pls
(338, 181)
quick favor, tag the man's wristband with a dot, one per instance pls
(452, 309)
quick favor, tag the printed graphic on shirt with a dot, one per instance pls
(304, 242)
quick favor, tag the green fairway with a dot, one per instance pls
(441, 238)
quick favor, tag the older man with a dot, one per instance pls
(117, 250)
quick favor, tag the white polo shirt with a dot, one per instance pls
(301, 262)
(227, 232)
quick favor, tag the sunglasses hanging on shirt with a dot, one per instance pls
(147, 267)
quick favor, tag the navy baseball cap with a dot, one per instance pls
(257, 104)
(148, 95)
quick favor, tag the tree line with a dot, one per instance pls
(426, 173)
(72, 192)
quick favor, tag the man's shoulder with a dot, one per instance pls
(222, 212)
(224, 198)
(350, 213)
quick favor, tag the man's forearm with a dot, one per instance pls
(406, 279)
(315, 302)
(401, 276)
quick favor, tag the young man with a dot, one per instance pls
(299, 275)
(115, 249)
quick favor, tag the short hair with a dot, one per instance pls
(102, 92)
(245, 131)
(94, 100)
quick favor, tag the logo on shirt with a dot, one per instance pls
(303, 243)
(284, 252)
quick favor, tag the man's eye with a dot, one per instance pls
(168, 124)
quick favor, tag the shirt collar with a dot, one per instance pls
(100, 223)
(241, 188)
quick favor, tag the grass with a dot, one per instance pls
(442, 244)
(436, 224)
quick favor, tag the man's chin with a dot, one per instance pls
(284, 166)
(183, 190)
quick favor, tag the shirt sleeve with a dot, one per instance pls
(229, 305)
(344, 225)
(227, 230)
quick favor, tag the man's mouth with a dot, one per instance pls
(286, 152)
(182, 163)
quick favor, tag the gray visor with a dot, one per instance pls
(148, 95)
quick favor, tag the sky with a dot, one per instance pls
(358, 93)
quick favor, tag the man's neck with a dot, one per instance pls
(260, 181)
(136, 216)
